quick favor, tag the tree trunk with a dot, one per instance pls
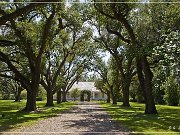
(64, 96)
(17, 98)
(133, 98)
(82, 96)
(58, 96)
(113, 96)
(88, 97)
(126, 97)
(140, 77)
(49, 97)
(18, 95)
(114, 100)
(150, 104)
(31, 100)
(33, 89)
(126, 93)
(108, 97)
(146, 84)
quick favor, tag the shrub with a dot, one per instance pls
(6, 97)
(24, 94)
(75, 93)
(171, 92)
(39, 99)
(140, 97)
(85, 92)
(41, 94)
(159, 95)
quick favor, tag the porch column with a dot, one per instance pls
(93, 94)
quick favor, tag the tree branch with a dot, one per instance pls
(18, 12)
(119, 35)
(4, 43)
(102, 12)
(18, 75)
(45, 35)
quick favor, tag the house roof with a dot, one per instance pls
(84, 86)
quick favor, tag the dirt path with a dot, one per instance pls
(83, 119)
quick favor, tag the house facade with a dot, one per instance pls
(88, 86)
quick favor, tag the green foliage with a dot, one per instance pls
(172, 91)
(100, 84)
(82, 94)
(6, 97)
(133, 90)
(8, 88)
(88, 78)
(71, 32)
(159, 95)
(140, 97)
(114, 78)
(75, 93)
(41, 93)
(158, 80)
(24, 94)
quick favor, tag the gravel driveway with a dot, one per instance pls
(86, 118)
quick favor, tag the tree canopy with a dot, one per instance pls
(53, 45)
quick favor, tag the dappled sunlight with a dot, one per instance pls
(136, 120)
(87, 117)
(15, 118)
(120, 51)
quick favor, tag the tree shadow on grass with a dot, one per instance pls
(15, 118)
(136, 120)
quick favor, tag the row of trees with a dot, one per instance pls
(55, 44)
(43, 45)
(142, 40)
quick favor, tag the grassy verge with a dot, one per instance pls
(15, 118)
(135, 119)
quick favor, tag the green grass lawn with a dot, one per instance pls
(15, 118)
(135, 119)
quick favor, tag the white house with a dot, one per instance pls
(95, 93)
